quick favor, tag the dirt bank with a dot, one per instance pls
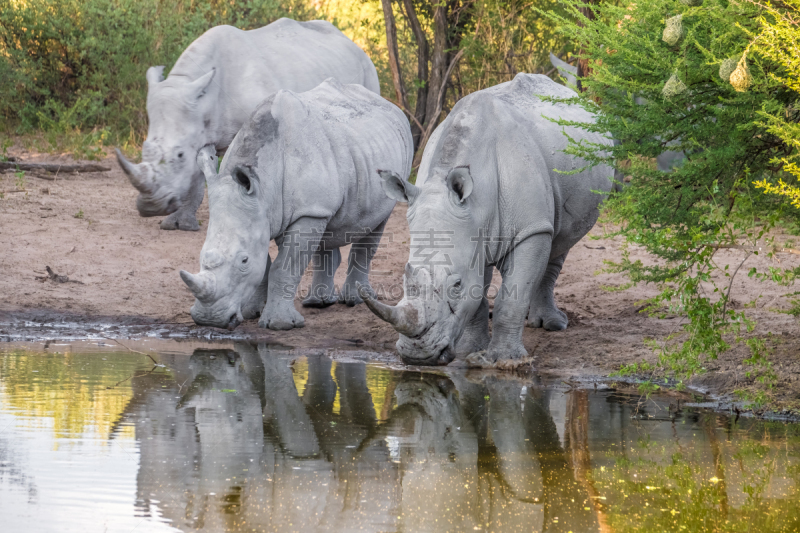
(123, 271)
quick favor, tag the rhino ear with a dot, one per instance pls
(246, 177)
(459, 180)
(155, 75)
(199, 87)
(287, 106)
(397, 188)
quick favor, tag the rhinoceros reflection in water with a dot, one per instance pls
(230, 443)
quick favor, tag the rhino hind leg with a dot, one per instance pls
(185, 217)
(361, 253)
(476, 334)
(323, 291)
(544, 313)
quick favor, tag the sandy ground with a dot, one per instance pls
(125, 271)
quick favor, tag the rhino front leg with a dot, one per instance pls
(253, 307)
(522, 270)
(323, 292)
(185, 218)
(295, 248)
(361, 253)
(476, 334)
(544, 313)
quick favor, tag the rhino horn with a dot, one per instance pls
(402, 318)
(200, 285)
(207, 161)
(134, 173)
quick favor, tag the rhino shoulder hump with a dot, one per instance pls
(321, 26)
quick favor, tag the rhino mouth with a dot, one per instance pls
(153, 206)
(233, 322)
(414, 352)
(229, 320)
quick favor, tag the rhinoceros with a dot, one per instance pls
(301, 171)
(489, 193)
(214, 87)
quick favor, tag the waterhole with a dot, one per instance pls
(244, 437)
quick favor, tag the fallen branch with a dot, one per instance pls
(52, 167)
(134, 351)
(56, 277)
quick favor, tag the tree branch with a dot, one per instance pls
(422, 68)
(434, 119)
(394, 60)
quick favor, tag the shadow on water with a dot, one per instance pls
(256, 439)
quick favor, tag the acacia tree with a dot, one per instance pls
(779, 40)
(685, 76)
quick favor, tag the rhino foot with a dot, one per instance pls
(349, 295)
(479, 360)
(484, 360)
(181, 220)
(281, 319)
(320, 303)
(551, 320)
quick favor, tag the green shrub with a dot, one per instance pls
(68, 65)
(685, 216)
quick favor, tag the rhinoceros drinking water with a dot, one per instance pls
(213, 89)
(488, 194)
(301, 171)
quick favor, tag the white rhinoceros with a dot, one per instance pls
(301, 171)
(214, 87)
(488, 194)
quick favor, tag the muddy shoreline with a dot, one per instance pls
(123, 282)
(131, 332)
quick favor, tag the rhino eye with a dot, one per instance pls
(242, 178)
(244, 261)
(180, 154)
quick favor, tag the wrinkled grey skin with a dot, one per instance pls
(488, 189)
(213, 89)
(300, 171)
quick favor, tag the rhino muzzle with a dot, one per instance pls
(414, 344)
(416, 352)
(151, 206)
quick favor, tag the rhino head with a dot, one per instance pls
(235, 255)
(443, 279)
(176, 109)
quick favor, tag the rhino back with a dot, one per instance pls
(319, 152)
(349, 134)
(250, 65)
(514, 151)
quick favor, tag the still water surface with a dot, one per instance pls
(253, 438)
